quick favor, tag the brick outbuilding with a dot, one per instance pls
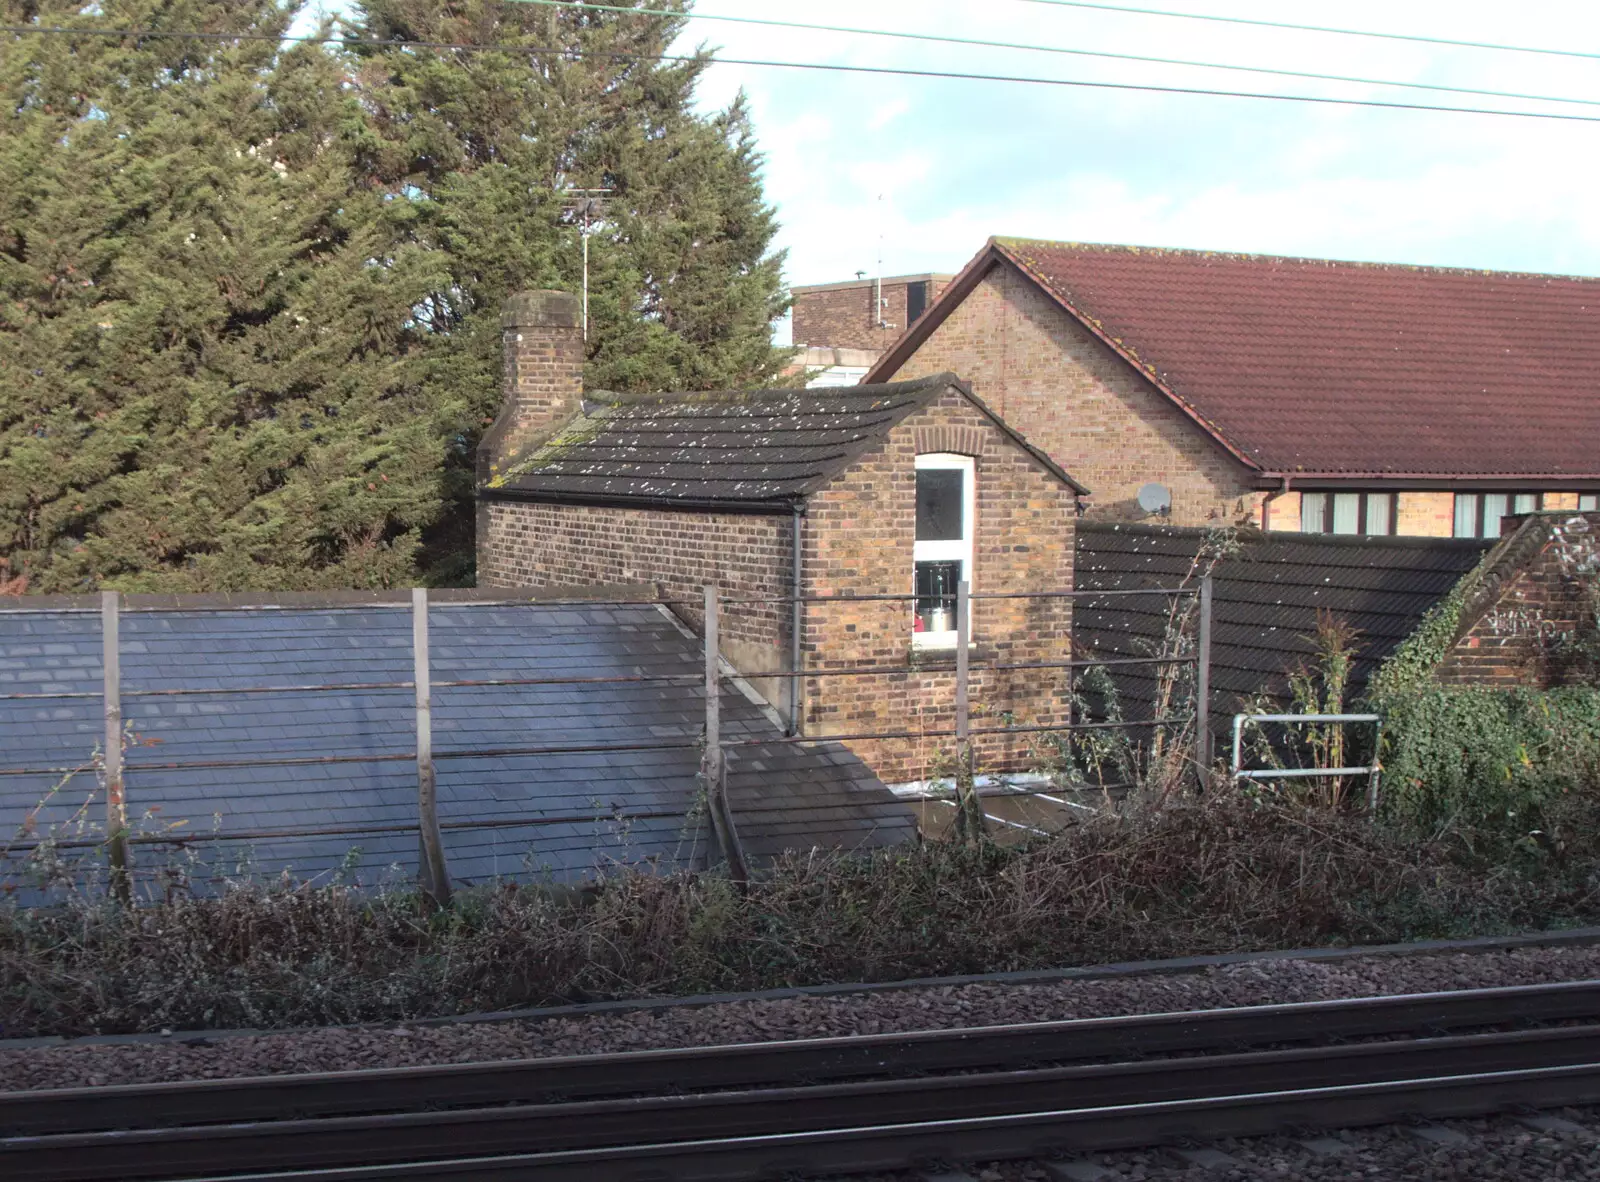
(1296, 394)
(862, 314)
(889, 489)
(1530, 614)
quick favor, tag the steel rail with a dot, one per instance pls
(548, 1128)
(861, 1148)
(840, 1059)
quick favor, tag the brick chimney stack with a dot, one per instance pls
(542, 344)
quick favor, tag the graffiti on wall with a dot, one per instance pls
(1526, 622)
(1575, 546)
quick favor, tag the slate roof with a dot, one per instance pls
(1265, 601)
(755, 449)
(562, 815)
(1312, 366)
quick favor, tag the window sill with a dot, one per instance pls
(944, 657)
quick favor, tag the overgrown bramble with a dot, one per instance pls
(1199, 875)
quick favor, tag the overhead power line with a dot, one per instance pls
(1241, 20)
(827, 67)
(976, 43)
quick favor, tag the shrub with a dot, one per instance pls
(1223, 874)
(1489, 760)
(1490, 764)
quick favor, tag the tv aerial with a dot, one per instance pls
(589, 205)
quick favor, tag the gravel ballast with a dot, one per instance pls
(1259, 982)
(1490, 1149)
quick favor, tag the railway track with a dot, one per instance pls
(837, 1104)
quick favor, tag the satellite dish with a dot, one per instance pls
(1155, 498)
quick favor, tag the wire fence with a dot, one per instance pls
(677, 720)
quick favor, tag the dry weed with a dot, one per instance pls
(1193, 877)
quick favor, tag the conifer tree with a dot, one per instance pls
(202, 320)
(249, 290)
(489, 147)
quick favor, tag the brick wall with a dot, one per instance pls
(1426, 514)
(1520, 636)
(1071, 395)
(1281, 511)
(859, 540)
(840, 315)
(537, 545)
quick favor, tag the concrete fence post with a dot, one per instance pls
(713, 767)
(963, 640)
(116, 805)
(435, 874)
(1203, 746)
(970, 819)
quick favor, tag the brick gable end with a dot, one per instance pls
(1092, 412)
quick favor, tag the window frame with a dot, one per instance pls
(924, 289)
(1592, 498)
(1328, 495)
(946, 550)
(1479, 505)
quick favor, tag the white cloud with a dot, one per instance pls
(887, 114)
(956, 161)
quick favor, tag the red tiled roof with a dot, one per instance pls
(1313, 366)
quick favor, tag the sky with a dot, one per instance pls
(898, 175)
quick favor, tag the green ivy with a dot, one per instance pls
(1487, 759)
(1475, 758)
(1410, 668)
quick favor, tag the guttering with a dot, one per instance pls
(767, 508)
(796, 619)
(1266, 504)
(1430, 481)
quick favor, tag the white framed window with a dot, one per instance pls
(1478, 514)
(1348, 513)
(1589, 500)
(942, 553)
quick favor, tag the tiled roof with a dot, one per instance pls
(1316, 366)
(564, 816)
(754, 448)
(1265, 600)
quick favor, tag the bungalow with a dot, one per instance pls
(1295, 394)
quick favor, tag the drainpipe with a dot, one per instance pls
(796, 620)
(1266, 501)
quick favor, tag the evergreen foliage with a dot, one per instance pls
(202, 349)
(249, 292)
(1492, 764)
